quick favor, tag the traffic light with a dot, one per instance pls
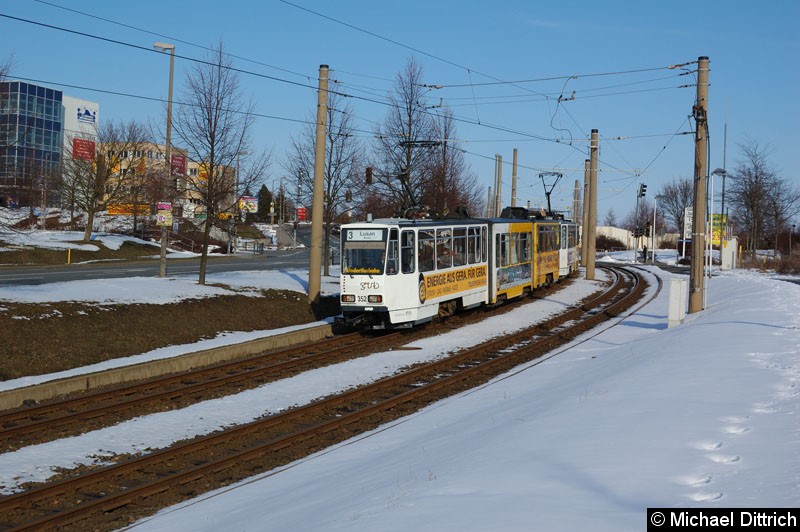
(348, 196)
(369, 175)
(642, 190)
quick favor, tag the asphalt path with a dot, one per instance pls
(269, 260)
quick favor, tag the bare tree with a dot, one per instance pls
(673, 199)
(343, 179)
(782, 203)
(214, 121)
(639, 219)
(610, 219)
(450, 184)
(751, 184)
(405, 139)
(94, 180)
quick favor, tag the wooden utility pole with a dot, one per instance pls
(585, 212)
(514, 180)
(315, 260)
(700, 112)
(592, 221)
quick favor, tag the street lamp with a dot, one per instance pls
(236, 185)
(723, 173)
(710, 230)
(164, 47)
(791, 236)
(655, 207)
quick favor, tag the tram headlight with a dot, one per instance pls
(348, 298)
(375, 299)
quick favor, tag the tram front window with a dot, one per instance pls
(364, 252)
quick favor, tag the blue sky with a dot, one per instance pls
(752, 47)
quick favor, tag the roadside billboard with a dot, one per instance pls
(83, 149)
(164, 214)
(178, 165)
(248, 204)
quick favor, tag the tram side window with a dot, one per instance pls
(484, 246)
(548, 238)
(524, 247)
(459, 246)
(474, 245)
(444, 248)
(564, 239)
(513, 248)
(425, 250)
(407, 252)
(391, 256)
(504, 244)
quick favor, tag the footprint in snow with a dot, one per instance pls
(694, 481)
(724, 458)
(733, 429)
(707, 445)
(705, 496)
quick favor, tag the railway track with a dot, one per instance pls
(82, 413)
(113, 496)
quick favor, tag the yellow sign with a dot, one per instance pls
(719, 223)
(454, 281)
(119, 209)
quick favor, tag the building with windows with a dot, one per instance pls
(33, 125)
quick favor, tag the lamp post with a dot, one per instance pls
(710, 240)
(791, 236)
(164, 47)
(723, 173)
(236, 185)
(655, 206)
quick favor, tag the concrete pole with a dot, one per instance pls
(700, 111)
(162, 260)
(576, 200)
(489, 204)
(592, 232)
(514, 180)
(585, 213)
(498, 187)
(315, 260)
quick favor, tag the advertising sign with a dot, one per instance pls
(82, 149)
(687, 223)
(718, 224)
(164, 214)
(178, 165)
(301, 214)
(248, 204)
(128, 209)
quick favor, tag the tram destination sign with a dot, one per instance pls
(365, 235)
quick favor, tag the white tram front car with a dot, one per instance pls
(398, 272)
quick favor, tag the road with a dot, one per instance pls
(270, 260)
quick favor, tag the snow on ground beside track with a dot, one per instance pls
(38, 462)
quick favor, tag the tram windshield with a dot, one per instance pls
(363, 251)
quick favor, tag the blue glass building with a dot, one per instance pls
(31, 142)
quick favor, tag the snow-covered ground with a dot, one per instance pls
(636, 416)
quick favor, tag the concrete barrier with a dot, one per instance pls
(156, 368)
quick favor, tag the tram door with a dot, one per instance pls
(407, 250)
